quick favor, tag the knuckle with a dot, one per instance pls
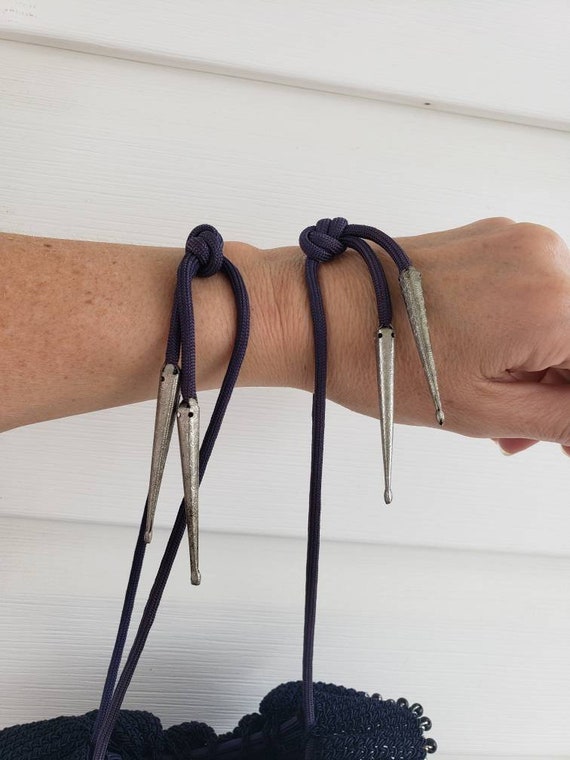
(497, 221)
(541, 249)
(539, 239)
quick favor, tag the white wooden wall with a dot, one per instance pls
(135, 120)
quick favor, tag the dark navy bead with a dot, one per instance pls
(430, 746)
(425, 723)
(402, 702)
(417, 709)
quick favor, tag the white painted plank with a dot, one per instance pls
(104, 149)
(96, 147)
(507, 60)
(449, 491)
(479, 639)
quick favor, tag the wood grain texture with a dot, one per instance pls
(479, 639)
(98, 148)
(507, 60)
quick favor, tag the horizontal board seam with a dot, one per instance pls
(292, 537)
(275, 78)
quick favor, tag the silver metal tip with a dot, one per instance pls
(196, 578)
(167, 397)
(189, 438)
(385, 374)
(411, 285)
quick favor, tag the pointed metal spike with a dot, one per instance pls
(188, 419)
(411, 285)
(166, 403)
(385, 367)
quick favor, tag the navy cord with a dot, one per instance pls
(203, 257)
(391, 247)
(321, 243)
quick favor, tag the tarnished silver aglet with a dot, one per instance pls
(411, 285)
(188, 419)
(166, 404)
(385, 365)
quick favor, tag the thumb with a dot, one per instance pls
(535, 411)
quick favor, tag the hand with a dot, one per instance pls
(498, 302)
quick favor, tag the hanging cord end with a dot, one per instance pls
(385, 367)
(188, 419)
(411, 285)
(168, 390)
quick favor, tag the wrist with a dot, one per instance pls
(280, 344)
(352, 322)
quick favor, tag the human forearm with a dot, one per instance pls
(83, 325)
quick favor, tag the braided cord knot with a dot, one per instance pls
(207, 245)
(322, 242)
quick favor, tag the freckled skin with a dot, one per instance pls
(497, 296)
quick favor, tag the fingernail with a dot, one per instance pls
(502, 450)
(506, 453)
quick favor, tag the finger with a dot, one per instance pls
(550, 376)
(535, 411)
(514, 445)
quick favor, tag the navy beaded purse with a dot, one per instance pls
(298, 720)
